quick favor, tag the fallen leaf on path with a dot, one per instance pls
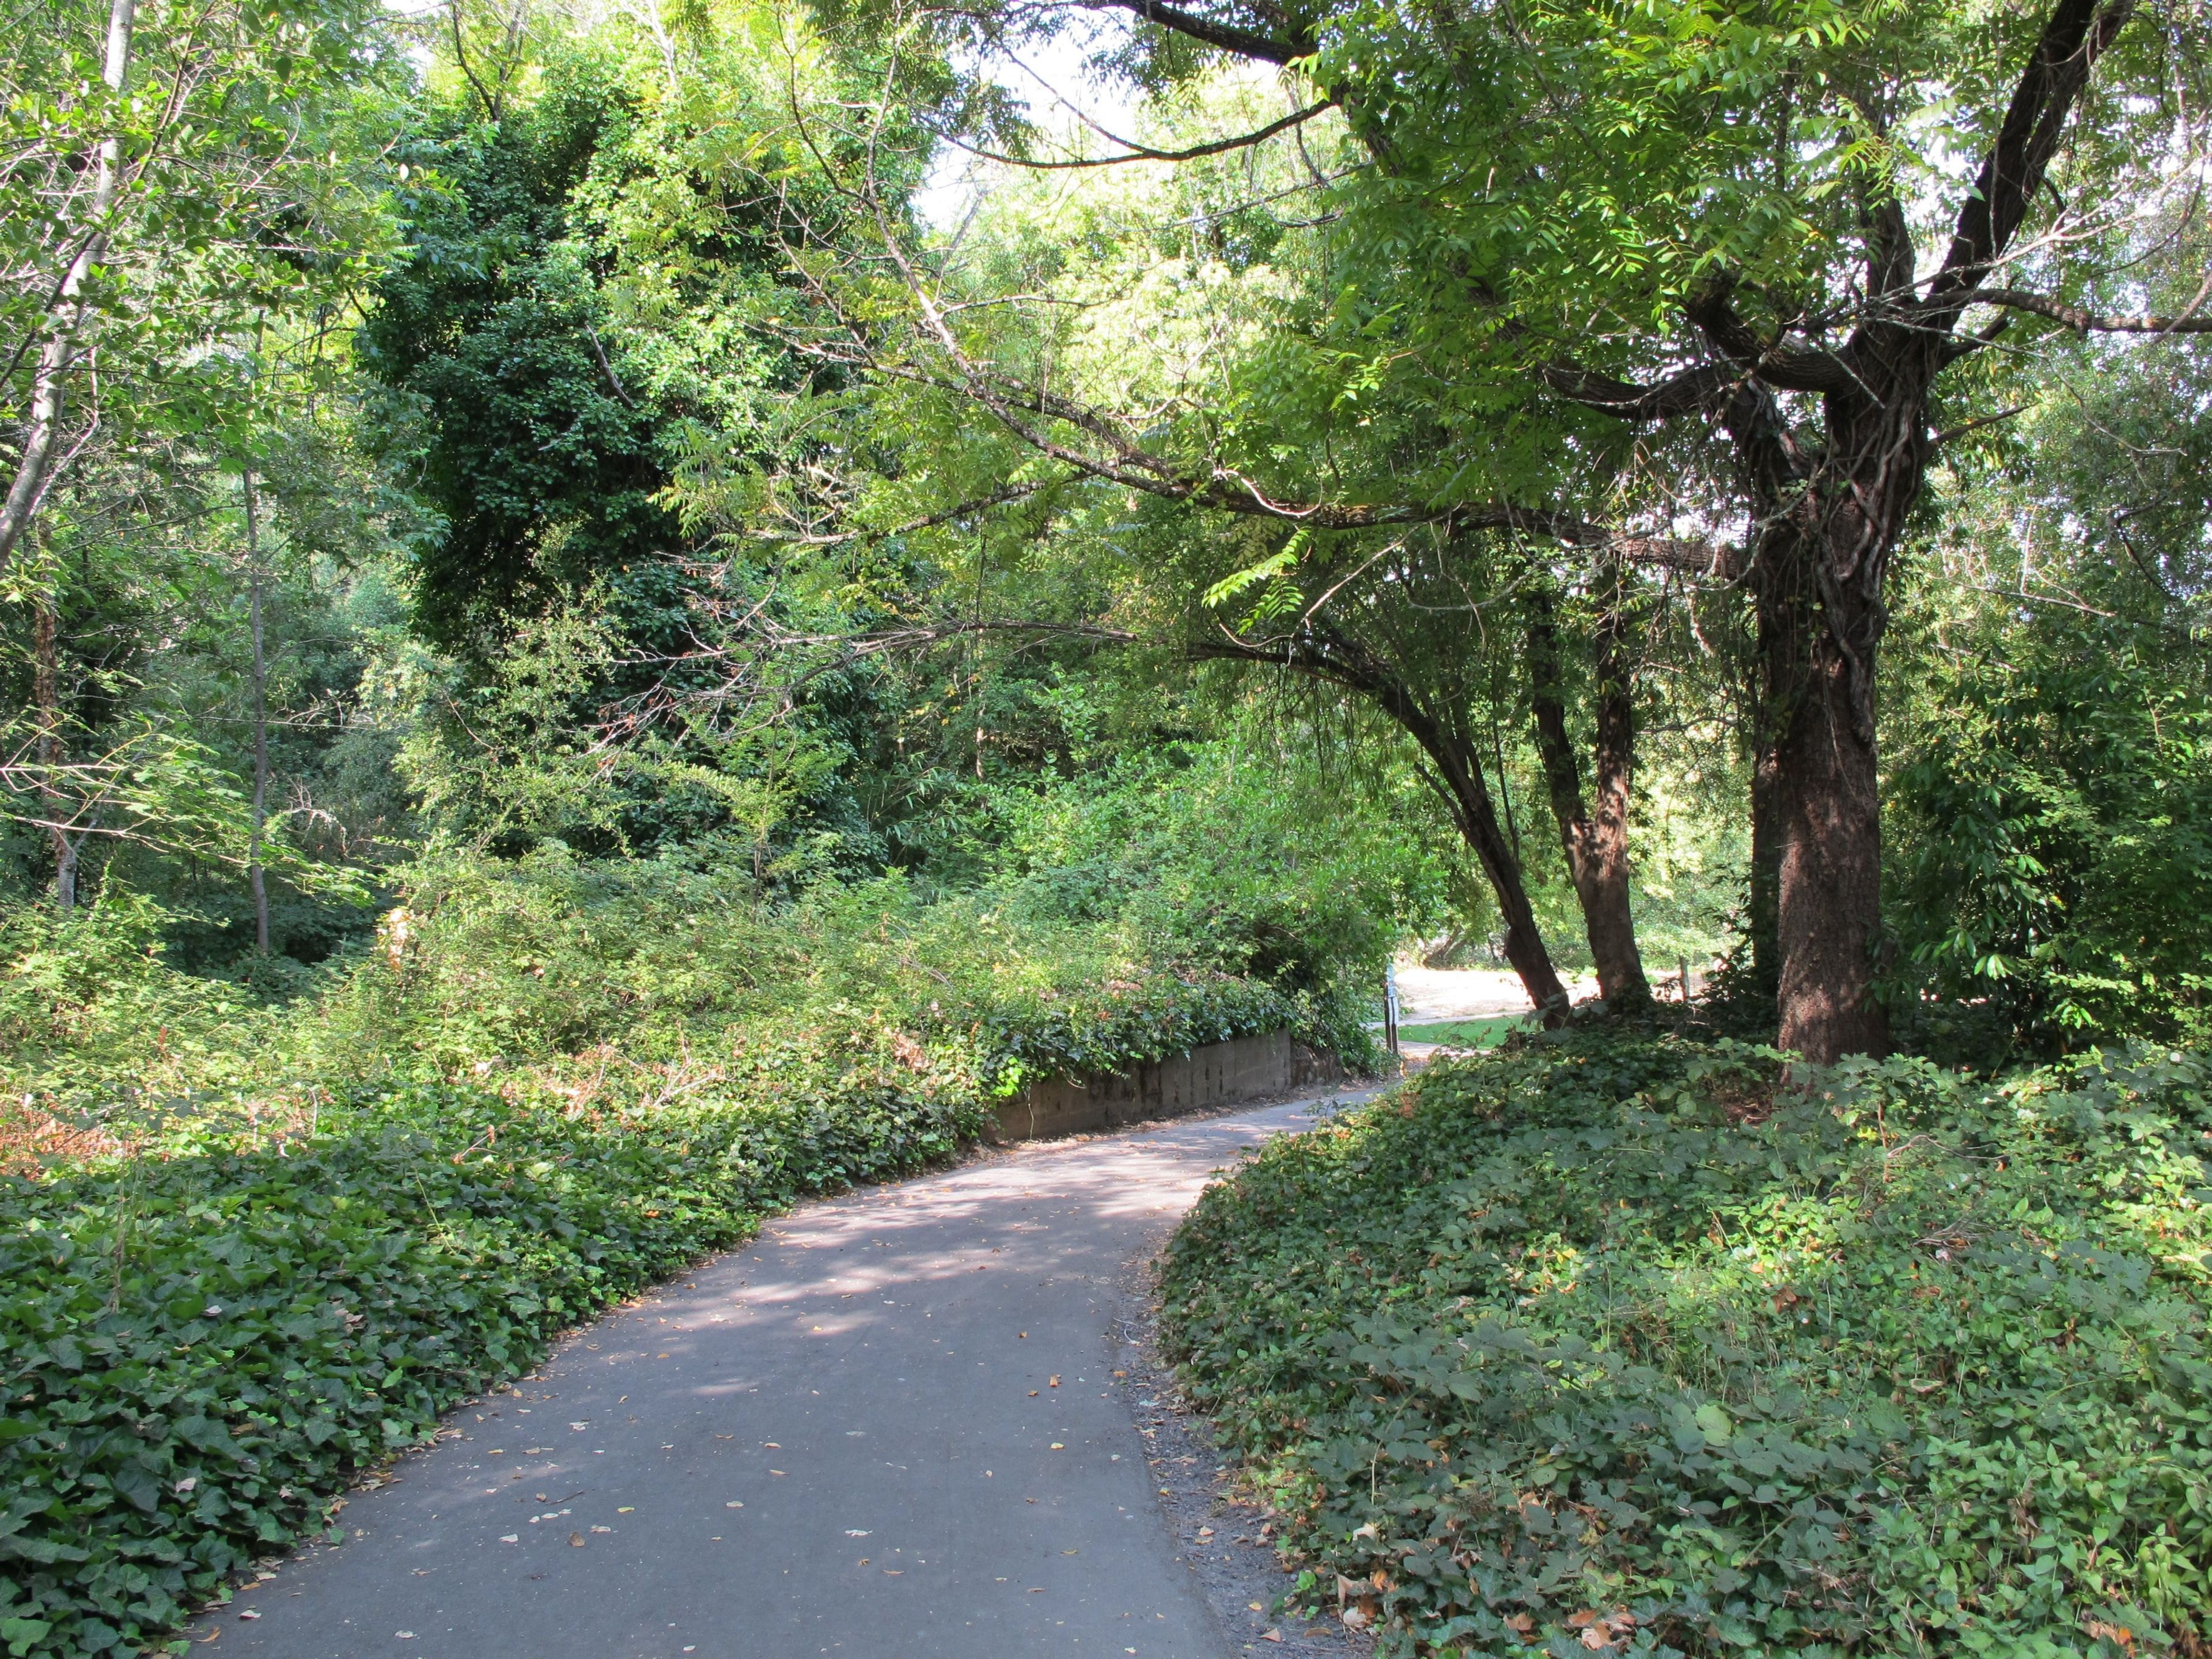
(1056, 1446)
(576, 1540)
(1271, 1636)
(510, 1537)
(1054, 1383)
(249, 1613)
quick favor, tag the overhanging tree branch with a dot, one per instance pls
(1144, 152)
(1225, 36)
(2084, 321)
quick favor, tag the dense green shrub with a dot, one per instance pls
(1598, 1345)
(2051, 847)
(548, 1084)
(200, 1348)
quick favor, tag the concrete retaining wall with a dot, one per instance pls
(1218, 1074)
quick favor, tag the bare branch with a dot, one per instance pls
(2084, 321)
(1142, 152)
(1225, 37)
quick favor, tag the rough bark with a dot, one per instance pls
(1828, 502)
(1595, 842)
(1823, 804)
(1763, 923)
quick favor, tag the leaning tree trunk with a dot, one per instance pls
(1595, 842)
(1460, 769)
(1457, 762)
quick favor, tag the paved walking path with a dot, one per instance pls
(890, 1427)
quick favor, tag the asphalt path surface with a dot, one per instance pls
(892, 1425)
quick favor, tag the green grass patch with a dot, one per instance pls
(1601, 1345)
(1463, 1033)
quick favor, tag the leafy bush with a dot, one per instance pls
(1591, 1344)
(199, 1348)
(549, 1084)
(2053, 847)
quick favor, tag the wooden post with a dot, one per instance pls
(1390, 1009)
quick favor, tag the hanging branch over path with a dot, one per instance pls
(1137, 152)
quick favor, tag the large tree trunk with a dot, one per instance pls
(1824, 519)
(1823, 800)
(1595, 842)
(1829, 506)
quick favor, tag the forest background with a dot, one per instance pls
(604, 564)
(530, 473)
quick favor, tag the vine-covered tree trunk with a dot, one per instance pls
(1763, 919)
(1823, 803)
(1595, 841)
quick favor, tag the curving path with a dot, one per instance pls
(890, 1426)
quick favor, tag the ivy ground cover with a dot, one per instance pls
(202, 1343)
(1601, 1346)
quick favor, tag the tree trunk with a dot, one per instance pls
(1340, 662)
(1827, 808)
(254, 879)
(1607, 852)
(1826, 524)
(1460, 770)
(1595, 844)
(45, 692)
(1763, 923)
(65, 319)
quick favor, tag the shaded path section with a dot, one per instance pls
(890, 1426)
